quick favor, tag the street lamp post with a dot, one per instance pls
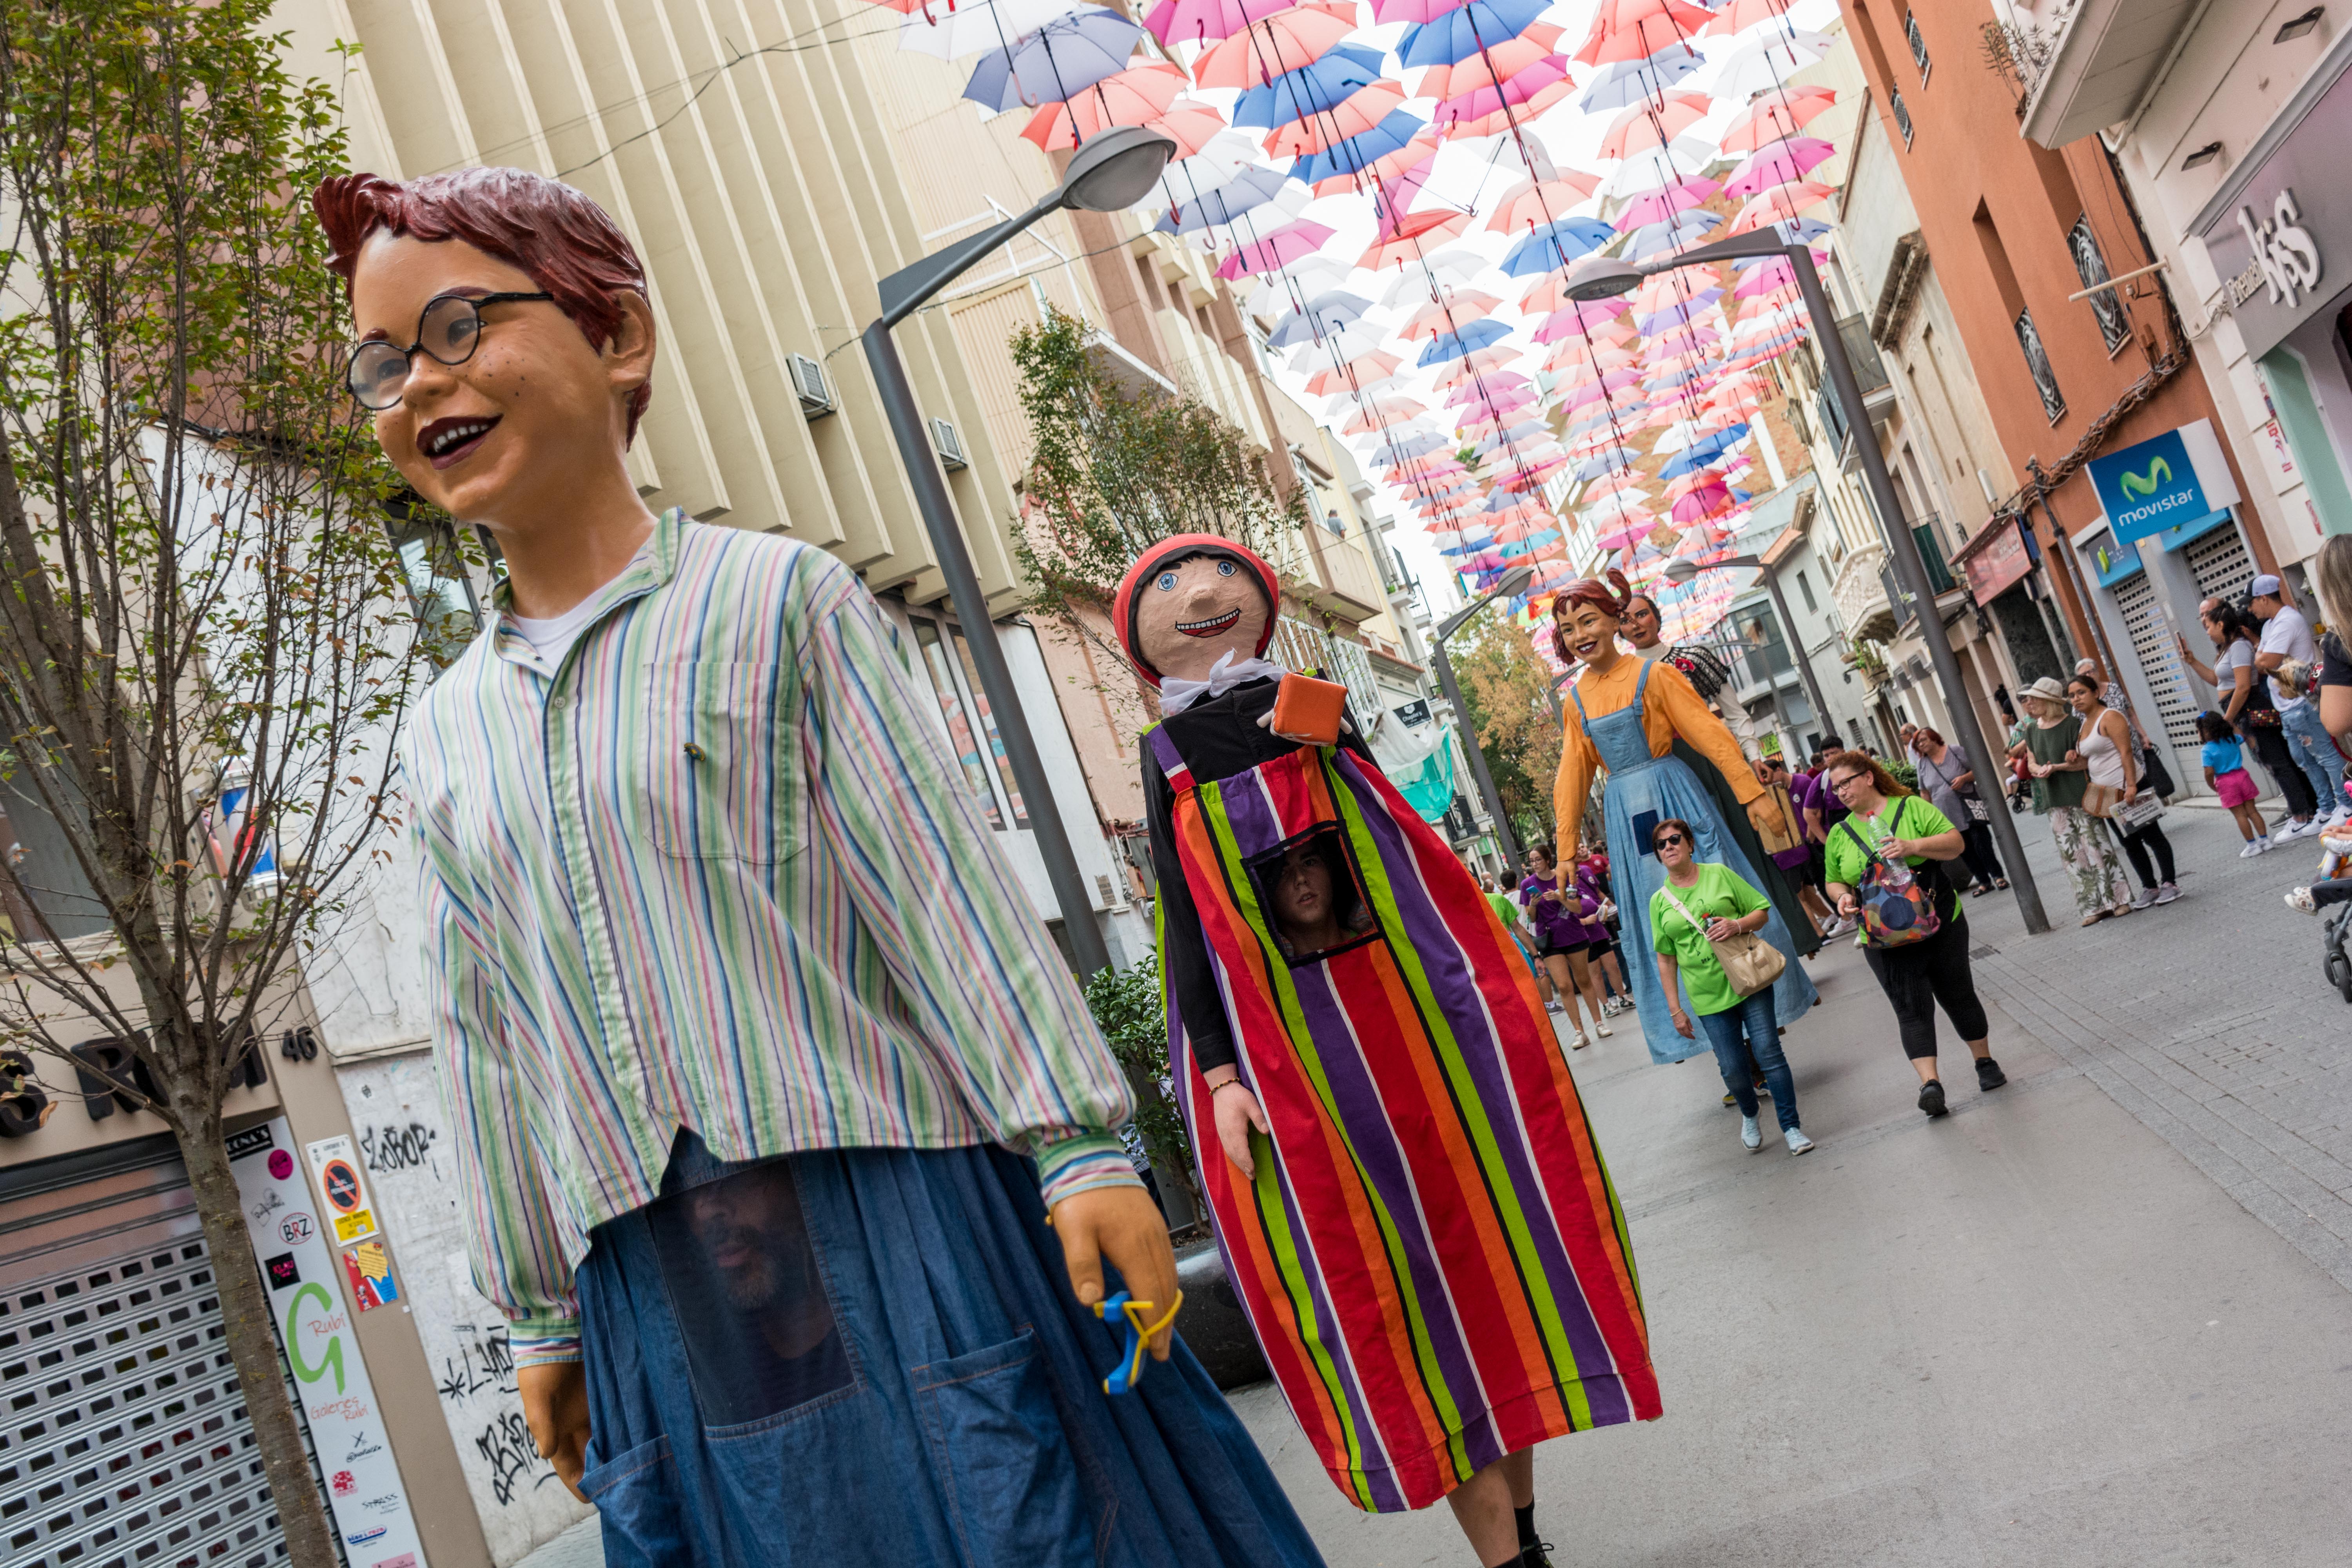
(1111, 171)
(1600, 277)
(1513, 581)
(1682, 570)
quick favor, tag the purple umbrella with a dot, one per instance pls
(1279, 249)
(1056, 63)
(1780, 164)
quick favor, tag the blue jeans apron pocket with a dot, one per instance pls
(636, 1495)
(1003, 1458)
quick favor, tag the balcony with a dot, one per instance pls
(1861, 592)
(1870, 370)
(1331, 575)
(1939, 574)
(2093, 63)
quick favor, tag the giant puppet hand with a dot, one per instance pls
(1764, 815)
(555, 1407)
(1238, 1114)
(1123, 1224)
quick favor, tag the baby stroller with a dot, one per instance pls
(2335, 921)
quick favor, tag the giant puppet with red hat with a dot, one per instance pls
(1409, 1203)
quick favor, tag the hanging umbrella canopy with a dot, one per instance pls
(1396, 247)
(1663, 203)
(1765, 64)
(1282, 245)
(1526, 89)
(1313, 88)
(1343, 172)
(1358, 372)
(1358, 154)
(1739, 16)
(1532, 203)
(1338, 347)
(1628, 82)
(1466, 29)
(1285, 206)
(1555, 245)
(1324, 314)
(1361, 111)
(1507, 118)
(1653, 240)
(1272, 45)
(1459, 344)
(951, 32)
(1782, 112)
(1249, 190)
(1057, 62)
(1677, 161)
(1457, 305)
(1227, 154)
(1779, 205)
(1376, 412)
(1132, 97)
(1648, 124)
(1491, 66)
(1781, 163)
(1206, 21)
(1636, 29)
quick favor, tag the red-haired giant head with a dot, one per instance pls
(1608, 599)
(570, 246)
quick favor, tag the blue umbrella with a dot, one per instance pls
(1463, 32)
(1313, 88)
(1324, 314)
(1360, 151)
(1556, 245)
(1056, 62)
(1447, 346)
(1628, 82)
(1656, 238)
(1253, 187)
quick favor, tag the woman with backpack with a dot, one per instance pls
(1698, 916)
(1886, 869)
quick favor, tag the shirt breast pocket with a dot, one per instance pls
(716, 783)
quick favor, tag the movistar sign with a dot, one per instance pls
(2168, 480)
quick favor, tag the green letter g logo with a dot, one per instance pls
(333, 1360)
(2159, 472)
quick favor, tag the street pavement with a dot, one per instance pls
(2097, 1317)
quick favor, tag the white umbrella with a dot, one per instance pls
(1767, 63)
(980, 25)
(1187, 180)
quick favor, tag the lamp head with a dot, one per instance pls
(1602, 277)
(1113, 169)
(1515, 581)
(1681, 569)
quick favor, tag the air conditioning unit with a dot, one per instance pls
(950, 445)
(808, 381)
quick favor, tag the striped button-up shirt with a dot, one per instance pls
(719, 869)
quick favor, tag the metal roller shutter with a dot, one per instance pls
(126, 1441)
(2151, 641)
(2220, 564)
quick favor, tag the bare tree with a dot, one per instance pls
(200, 605)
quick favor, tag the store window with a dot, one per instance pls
(972, 728)
(2091, 267)
(438, 588)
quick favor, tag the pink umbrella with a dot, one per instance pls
(1626, 537)
(1775, 115)
(1741, 15)
(1666, 24)
(1701, 504)
(1508, 118)
(1781, 163)
(1644, 125)
(1495, 63)
(1533, 203)
(1205, 21)
(1781, 203)
(1774, 274)
(1134, 96)
(1525, 87)
(1656, 206)
(1278, 44)
(1279, 249)
(1405, 240)
(1468, 305)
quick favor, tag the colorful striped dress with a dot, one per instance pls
(1430, 1252)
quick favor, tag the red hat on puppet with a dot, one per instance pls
(1167, 552)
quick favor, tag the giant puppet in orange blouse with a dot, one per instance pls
(1629, 715)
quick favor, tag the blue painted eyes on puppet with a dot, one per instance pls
(1168, 582)
(1227, 568)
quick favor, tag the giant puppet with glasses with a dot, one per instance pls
(1627, 715)
(1411, 1204)
(783, 1138)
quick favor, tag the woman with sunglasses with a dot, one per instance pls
(1695, 907)
(1889, 822)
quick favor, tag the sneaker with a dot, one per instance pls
(1533, 1556)
(2166, 892)
(1553, 1007)
(1931, 1097)
(2301, 828)
(1731, 1098)
(1798, 1143)
(2144, 898)
(1581, 1040)
(1601, 1031)
(2301, 898)
(1750, 1134)
(1989, 1075)
(2253, 848)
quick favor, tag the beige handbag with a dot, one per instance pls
(1748, 961)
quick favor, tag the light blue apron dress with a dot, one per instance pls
(1644, 791)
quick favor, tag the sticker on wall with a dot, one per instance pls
(369, 1272)
(336, 1167)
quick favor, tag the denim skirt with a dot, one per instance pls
(874, 1356)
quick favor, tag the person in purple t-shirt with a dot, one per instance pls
(1564, 920)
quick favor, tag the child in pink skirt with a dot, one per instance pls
(2225, 770)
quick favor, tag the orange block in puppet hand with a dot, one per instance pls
(1309, 710)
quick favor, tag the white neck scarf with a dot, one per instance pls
(1176, 693)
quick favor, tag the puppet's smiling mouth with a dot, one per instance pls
(1209, 628)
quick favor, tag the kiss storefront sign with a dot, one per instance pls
(2279, 228)
(2167, 479)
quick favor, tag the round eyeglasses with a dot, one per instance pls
(450, 329)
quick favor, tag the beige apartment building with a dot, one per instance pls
(772, 159)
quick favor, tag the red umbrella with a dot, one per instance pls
(1282, 42)
(1133, 97)
(1403, 242)
(1363, 368)
(1654, 25)
(1775, 115)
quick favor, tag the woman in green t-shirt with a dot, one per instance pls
(1897, 824)
(1699, 904)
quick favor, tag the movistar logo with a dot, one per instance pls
(2159, 472)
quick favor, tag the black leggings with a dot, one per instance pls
(1976, 851)
(2270, 745)
(1917, 977)
(2337, 890)
(2138, 842)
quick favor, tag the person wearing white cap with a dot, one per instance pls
(2047, 742)
(2286, 635)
